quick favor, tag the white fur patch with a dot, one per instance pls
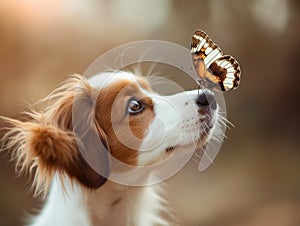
(107, 78)
(176, 123)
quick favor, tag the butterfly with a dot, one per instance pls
(215, 69)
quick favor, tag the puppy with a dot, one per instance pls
(87, 129)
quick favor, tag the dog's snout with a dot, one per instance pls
(206, 99)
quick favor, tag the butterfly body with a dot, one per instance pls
(214, 69)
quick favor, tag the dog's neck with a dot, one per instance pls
(114, 204)
(110, 205)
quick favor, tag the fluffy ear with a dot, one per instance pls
(49, 143)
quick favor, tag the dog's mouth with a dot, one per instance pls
(171, 148)
(207, 124)
(199, 135)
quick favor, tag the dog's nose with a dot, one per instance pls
(206, 99)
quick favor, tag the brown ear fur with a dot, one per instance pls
(48, 142)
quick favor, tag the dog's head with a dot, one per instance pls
(133, 124)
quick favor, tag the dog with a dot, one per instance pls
(131, 124)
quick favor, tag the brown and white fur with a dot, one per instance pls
(47, 146)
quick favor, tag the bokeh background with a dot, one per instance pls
(255, 179)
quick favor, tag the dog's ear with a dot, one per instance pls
(49, 143)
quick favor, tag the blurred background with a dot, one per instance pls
(255, 179)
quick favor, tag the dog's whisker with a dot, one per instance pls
(120, 58)
(137, 69)
(151, 69)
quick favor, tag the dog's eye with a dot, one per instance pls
(135, 106)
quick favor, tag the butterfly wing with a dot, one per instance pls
(227, 69)
(214, 69)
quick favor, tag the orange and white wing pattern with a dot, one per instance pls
(215, 69)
